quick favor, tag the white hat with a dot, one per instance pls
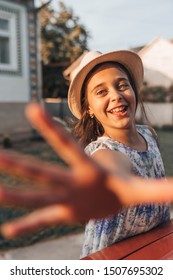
(130, 60)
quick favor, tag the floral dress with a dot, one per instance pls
(136, 219)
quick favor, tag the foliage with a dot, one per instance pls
(54, 83)
(6, 141)
(165, 143)
(63, 38)
(157, 94)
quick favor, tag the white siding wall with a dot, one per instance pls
(158, 62)
(15, 87)
(159, 114)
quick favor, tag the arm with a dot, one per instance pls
(113, 161)
(84, 190)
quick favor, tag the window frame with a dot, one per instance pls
(12, 35)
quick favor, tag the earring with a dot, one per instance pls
(92, 116)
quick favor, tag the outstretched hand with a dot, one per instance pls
(81, 191)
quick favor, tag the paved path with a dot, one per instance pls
(65, 248)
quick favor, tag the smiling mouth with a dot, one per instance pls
(120, 109)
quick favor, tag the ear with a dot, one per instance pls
(89, 111)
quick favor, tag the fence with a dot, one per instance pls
(159, 114)
(13, 120)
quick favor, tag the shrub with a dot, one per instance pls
(7, 142)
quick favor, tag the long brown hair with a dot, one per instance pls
(88, 129)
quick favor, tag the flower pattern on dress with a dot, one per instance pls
(136, 219)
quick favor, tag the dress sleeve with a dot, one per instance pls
(153, 133)
(98, 145)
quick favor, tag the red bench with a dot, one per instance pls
(157, 244)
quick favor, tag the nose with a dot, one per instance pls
(115, 95)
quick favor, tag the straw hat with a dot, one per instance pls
(130, 60)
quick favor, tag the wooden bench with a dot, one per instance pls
(157, 244)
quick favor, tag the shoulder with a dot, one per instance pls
(113, 161)
(106, 151)
(148, 132)
(146, 129)
(102, 143)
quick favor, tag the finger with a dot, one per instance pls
(37, 220)
(34, 170)
(30, 199)
(57, 137)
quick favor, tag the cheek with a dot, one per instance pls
(98, 109)
(87, 101)
(132, 99)
(95, 103)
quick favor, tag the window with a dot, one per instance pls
(8, 41)
(4, 41)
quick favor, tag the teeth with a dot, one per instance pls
(119, 109)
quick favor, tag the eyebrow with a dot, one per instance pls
(99, 85)
(117, 80)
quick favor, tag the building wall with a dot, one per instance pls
(159, 114)
(20, 86)
(13, 119)
(157, 58)
(15, 84)
(156, 78)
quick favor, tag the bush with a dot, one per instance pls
(155, 94)
(7, 142)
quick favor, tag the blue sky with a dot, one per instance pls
(122, 24)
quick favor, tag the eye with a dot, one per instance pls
(123, 86)
(101, 92)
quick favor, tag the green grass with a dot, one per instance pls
(166, 148)
(42, 151)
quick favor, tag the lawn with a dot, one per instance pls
(166, 148)
(41, 150)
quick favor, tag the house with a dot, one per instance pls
(19, 63)
(157, 57)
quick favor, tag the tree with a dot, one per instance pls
(156, 94)
(63, 38)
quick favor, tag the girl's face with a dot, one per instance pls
(111, 98)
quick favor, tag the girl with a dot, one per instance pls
(108, 86)
(124, 167)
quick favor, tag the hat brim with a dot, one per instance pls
(130, 60)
